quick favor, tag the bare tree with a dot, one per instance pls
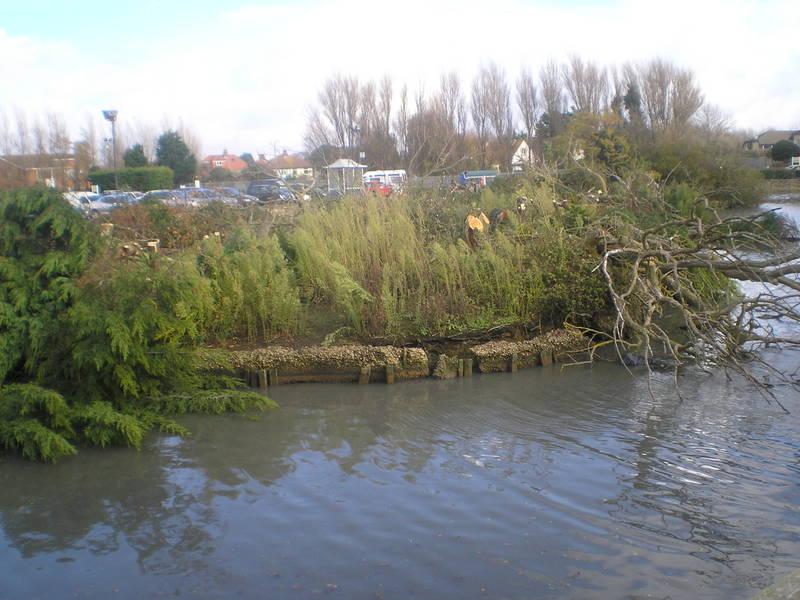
(552, 94)
(385, 104)
(655, 78)
(401, 124)
(528, 102)
(58, 140)
(670, 95)
(685, 98)
(23, 132)
(39, 137)
(331, 100)
(498, 103)
(479, 110)
(586, 84)
(712, 122)
(6, 136)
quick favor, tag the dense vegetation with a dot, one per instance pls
(141, 178)
(94, 350)
(98, 335)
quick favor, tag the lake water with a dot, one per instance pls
(546, 483)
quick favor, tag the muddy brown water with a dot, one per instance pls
(584, 483)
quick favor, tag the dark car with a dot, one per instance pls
(238, 195)
(270, 190)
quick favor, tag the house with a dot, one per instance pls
(522, 158)
(288, 166)
(52, 170)
(769, 138)
(231, 162)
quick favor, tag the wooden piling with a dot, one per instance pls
(546, 357)
(363, 377)
(272, 377)
(460, 367)
(467, 367)
(263, 381)
(514, 362)
(389, 373)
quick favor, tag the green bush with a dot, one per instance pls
(781, 173)
(142, 179)
(95, 349)
(255, 295)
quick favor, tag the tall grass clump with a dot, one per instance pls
(355, 255)
(255, 295)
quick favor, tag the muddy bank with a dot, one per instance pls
(272, 365)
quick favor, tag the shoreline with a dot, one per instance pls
(274, 365)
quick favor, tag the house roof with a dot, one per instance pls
(211, 157)
(289, 161)
(345, 163)
(773, 136)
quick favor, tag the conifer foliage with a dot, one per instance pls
(93, 350)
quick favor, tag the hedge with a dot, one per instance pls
(142, 179)
(780, 173)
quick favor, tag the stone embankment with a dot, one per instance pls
(272, 365)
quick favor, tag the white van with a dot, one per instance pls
(396, 180)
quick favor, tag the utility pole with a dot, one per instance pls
(111, 116)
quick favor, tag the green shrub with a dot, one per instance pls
(142, 179)
(781, 173)
(254, 291)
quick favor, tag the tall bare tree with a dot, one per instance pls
(23, 135)
(685, 98)
(385, 104)
(6, 136)
(479, 110)
(552, 94)
(586, 84)
(401, 123)
(58, 140)
(528, 102)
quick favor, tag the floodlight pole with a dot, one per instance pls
(111, 116)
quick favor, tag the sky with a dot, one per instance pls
(244, 74)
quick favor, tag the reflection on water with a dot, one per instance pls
(541, 484)
(538, 484)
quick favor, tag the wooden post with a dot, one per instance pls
(546, 356)
(467, 367)
(263, 381)
(460, 367)
(273, 377)
(514, 362)
(389, 373)
(363, 377)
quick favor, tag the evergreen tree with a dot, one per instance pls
(134, 156)
(173, 152)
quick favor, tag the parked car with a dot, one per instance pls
(270, 190)
(120, 198)
(231, 192)
(165, 196)
(89, 204)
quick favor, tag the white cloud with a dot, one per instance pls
(245, 80)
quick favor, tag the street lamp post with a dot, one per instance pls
(111, 116)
